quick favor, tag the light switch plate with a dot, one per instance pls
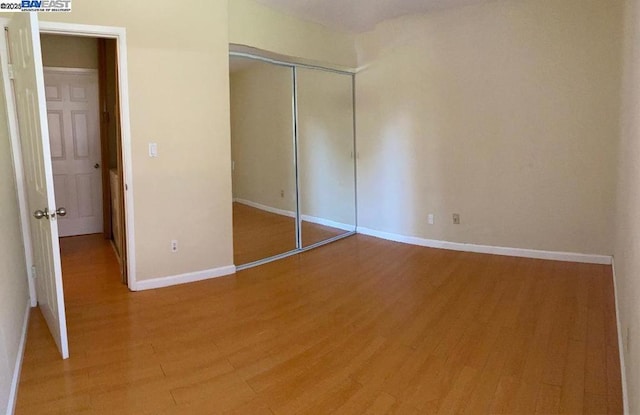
(153, 149)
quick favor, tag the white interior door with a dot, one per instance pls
(74, 134)
(28, 86)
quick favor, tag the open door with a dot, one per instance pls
(29, 92)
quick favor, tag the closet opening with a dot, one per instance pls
(292, 156)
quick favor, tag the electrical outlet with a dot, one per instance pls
(430, 219)
(174, 246)
(456, 219)
(282, 193)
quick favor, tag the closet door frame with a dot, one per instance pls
(236, 51)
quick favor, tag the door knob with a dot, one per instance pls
(39, 214)
(97, 166)
(61, 211)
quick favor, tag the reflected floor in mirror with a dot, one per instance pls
(258, 234)
(358, 326)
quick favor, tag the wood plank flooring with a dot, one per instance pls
(360, 326)
(258, 234)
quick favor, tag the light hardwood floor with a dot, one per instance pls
(358, 326)
(258, 234)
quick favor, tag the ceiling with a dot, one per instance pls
(357, 16)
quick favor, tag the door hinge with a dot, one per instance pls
(10, 67)
(34, 274)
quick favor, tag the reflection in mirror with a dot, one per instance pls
(262, 152)
(325, 154)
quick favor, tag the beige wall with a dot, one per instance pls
(262, 135)
(253, 24)
(69, 51)
(13, 274)
(505, 112)
(627, 249)
(325, 145)
(179, 98)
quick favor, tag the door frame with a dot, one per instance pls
(72, 29)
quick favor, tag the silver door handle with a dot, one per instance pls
(39, 214)
(61, 211)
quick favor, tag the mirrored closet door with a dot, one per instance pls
(262, 160)
(292, 150)
(325, 155)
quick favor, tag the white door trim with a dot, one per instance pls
(120, 35)
(12, 122)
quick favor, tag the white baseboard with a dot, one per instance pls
(266, 208)
(17, 369)
(329, 223)
(487, 249)
(623, 371)
(168, 281)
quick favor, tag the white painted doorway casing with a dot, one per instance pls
(120, 35)
(73, 29)
(117, 33)
(31, 110)
(74, 133)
